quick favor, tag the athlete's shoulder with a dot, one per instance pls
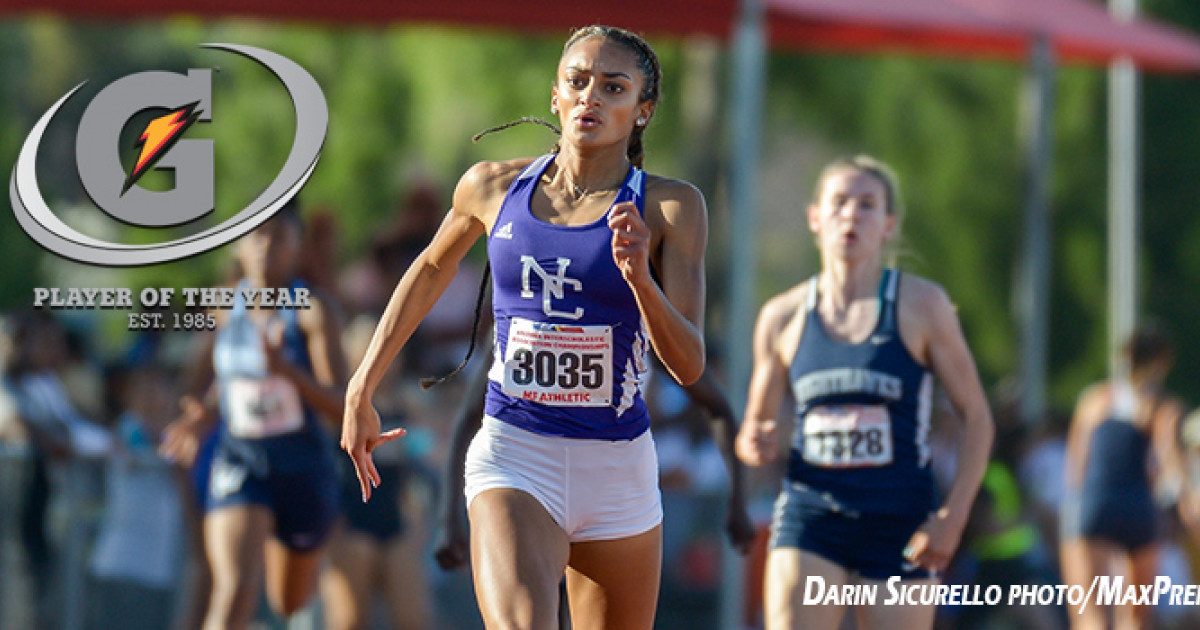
(1094, 401)
(926, 299)
(669, 192)
(922, 290)
(487, 176)
(482, 188)
(782, 309)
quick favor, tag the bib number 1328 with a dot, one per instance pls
(848, 436)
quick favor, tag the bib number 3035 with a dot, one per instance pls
(561, 365)
(848, 436)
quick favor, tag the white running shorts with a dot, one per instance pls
(593, 489)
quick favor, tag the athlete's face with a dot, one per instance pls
(597, 93)
(269, 253)
(851, 217)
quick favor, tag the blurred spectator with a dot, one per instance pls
(688, 458)
(690, 470)
(51, 428)
(690, 425)
(1003, 547)
(318, 265)
(1041, 472)
(135, 565)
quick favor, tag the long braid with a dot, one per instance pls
(524, 119)
(636, 154)
(428, 382)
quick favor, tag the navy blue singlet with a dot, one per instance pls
(862, 415)
(241, 369)
(1115, 500)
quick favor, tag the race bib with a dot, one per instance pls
(848, 436)
(560, 365)
(266, 407)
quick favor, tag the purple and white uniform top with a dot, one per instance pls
(570, 353)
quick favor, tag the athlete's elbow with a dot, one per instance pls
(982, 428)
(691, 371)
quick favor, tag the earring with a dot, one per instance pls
(641, 122)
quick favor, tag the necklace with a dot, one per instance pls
(580, 192)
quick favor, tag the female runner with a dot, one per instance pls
(272, 493)
(858, 346)
(1111, 522)
(595, 262)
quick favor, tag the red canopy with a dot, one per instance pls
(665, 17)
(926, 26)
(1081, 31)
(1085, 32)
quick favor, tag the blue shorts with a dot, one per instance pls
(380, 517)
(868, 545)
(1128, 522)
(202, 467)
(293, 476)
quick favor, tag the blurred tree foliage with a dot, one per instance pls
(404, 101)
(951, 130)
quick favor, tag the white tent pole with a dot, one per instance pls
(1034, 273)
(748, 83)
(1124, 166)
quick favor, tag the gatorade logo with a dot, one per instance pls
(163, 145)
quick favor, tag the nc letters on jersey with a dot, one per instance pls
(188, 99)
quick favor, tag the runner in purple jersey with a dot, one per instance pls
(596, 262)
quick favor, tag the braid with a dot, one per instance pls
(428, 382)
(636, 154)
(524, 119)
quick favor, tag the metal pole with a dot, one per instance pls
(1033, 281)
(1124, 176)
(745, 133)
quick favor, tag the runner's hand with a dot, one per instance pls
(757, 442)
(933, 545)
(738, 526)
(360, 436)
(181, 439)
(452, 545)
(630, 242)
(1189, 510)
